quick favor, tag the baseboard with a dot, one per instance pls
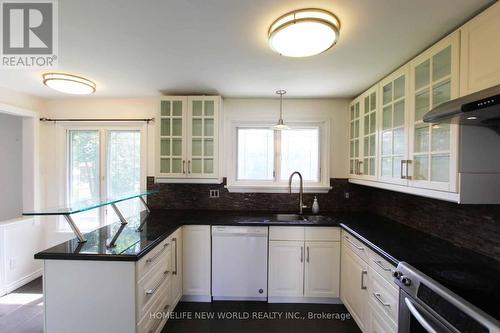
(196, 298)
(313, 300)
(230, 298)
(22, 281)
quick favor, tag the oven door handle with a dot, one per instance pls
(418, 316)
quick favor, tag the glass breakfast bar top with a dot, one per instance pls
(83, 206)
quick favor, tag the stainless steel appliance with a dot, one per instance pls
(426, 306)
(481, 108)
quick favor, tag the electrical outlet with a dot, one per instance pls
(213, 193)
(346, 195)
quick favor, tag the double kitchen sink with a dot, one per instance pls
(292, 219)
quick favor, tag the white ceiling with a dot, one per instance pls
(141, 48)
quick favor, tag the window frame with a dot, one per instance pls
(63, 155)
(276, 185)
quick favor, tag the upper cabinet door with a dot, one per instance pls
(354, 135)
(433, 147)
(480, 52)
(203, 133)
(369, 105)
(171, 146)
(393, 134)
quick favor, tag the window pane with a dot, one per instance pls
(255, 154)
(84, 175)
(124, 169)
(300, 152)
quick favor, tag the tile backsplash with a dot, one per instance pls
(476, 227)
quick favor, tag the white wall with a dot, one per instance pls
(11, 176)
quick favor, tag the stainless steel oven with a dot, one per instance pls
(426, 306)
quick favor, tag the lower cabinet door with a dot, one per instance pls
(176, 265)
(196, 256)
(322, 269)
(286, 268)
(378, 322)
(353, 288)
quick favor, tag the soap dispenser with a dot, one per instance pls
(315, 206)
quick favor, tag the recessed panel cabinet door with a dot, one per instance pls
(286, 268)
(353, 289)
(322, 269)
(196, 256)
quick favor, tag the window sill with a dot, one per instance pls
(275, 189)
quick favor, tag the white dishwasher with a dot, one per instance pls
(239, 263)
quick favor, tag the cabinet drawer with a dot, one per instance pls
(152, 286)
(382, 266)
(355, 245)
(152, 321)
(322, 234)
(383, 296)
(380, 322)
(145, 264)
(286, 233)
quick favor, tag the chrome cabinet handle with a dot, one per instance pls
(153, 258)
(189, 166)
(150, 292)
(359, 168)
(307, 248)
(301, 254)
(175, 256)
(408, 162)
(403, 162)
(352, 243)
(379, 298)
(379, 264)
(183, 166)
(363, 273)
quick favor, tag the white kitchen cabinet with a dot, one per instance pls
(188, 139)
(433, 148)
(196, 259)
(286, 268)
(393, 127)
(363, 135)
(479, 51)
(354, 138)
(304, 264)
(354, 285)
(322, 278)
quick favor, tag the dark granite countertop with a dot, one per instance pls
(468, 274)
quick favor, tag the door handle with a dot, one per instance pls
(353, 244)
(408, 162)
(363, 273)
(359, 168)
(379, 264)
(418, 316)
(301, 254)
(307, 248)
(189, 166)
(381, 301)
(403, 176)
(175, 254)
(183, 166)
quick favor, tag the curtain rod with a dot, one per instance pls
(97, 119)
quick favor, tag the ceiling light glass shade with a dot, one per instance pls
(280, 126)
(304, 32)
(70, 84)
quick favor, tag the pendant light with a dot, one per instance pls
(280, 125)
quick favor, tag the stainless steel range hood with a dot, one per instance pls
(481, 108)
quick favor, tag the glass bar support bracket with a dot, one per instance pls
(145, 218)
(119, 214)
(78, 233)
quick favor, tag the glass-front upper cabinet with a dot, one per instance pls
(434, 79)
(393, 136)
(354, 138)
(369, 133)
(172, 129)
(187, 147)
(202, 149)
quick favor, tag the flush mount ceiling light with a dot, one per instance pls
(280, 125)
(70, 84)
(304, 32)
